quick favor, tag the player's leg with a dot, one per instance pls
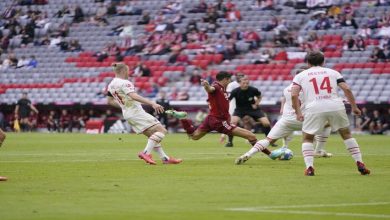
(321, 139)
(266, 124)
(155, 134)
(308, 153)
(234, 121)
(340, 122)
(286, 140)
(313, 124)
(2, 138)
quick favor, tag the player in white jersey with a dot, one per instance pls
(284, 128)
(320, 105)
(122, 94)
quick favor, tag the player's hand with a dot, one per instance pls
(356, 111)
(299, 117)
(204, 83)
(158, 108)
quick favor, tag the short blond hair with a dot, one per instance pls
(119, 67)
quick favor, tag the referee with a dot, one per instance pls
(247, 104)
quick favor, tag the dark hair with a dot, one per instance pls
(222, 75)
(239, 76)
(315, 58)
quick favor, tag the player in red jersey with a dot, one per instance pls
(219, 117)
(2, 138)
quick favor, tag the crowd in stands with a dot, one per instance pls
(375, 121)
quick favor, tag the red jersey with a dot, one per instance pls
(219, 102)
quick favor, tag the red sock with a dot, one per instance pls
(187, 125)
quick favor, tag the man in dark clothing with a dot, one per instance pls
(247, 104)
(22, 111)
(163, 118)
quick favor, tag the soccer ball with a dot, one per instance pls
(287, 155)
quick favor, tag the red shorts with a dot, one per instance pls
(212, 123)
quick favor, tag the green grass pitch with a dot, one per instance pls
(80, 176)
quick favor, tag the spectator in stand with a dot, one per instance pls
(52, 121)
(252, 38)
(33, 63)
(13, 60)
(281, 57)
(263, 5)
(145, 19)
(377, 122)
(62, 12)
(372, 21)
(100, 18)
(74, 46)
(378, 55)
(233, 14)
(323, 23)
(347, 9)
(22, 62)
(348, 21)
(195, 77)
(178, 58)
(126, 8)
(78, 14)
(384, 31)
(349, 44)
(364, 32)
(264, 57)
(360, 43)
(211, 16)
(172, 7)
(141, 70)
(199, 8)
(384, 42)
(385, 19)
(183, 95)
(273, 23)
(65, 121)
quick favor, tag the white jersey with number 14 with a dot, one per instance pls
(319, 90)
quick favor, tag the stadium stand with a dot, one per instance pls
(73, 43)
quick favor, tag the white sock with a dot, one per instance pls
(286, 140)
(161, 152)
(321, 139)
(153, 141)
(354, 149)
(308, 154)
(259, 146)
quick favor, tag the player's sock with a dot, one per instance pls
(266, 130)
(259, 146)
(308, 154)
(287, 140)
(153, 141)
(354, 149)
(230, 140)
(158, 148)
(321, 139)
(187, 125)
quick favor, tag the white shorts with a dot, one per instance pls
(283, 128)
(139, 120)
(315, 123)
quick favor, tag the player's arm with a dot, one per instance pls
(158, 108)
(206, 86)
(17, 109)
(295, 89)
(282, 103)
(349, 95)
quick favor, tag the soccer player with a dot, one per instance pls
(219, 117)
(22, 111)
(2, 138)
(320, 105)
(284, 128)
(248, 100)
(121, 94)
(232, 103)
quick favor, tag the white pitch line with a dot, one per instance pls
(324, 213)
(271, 209)
(97, 160)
